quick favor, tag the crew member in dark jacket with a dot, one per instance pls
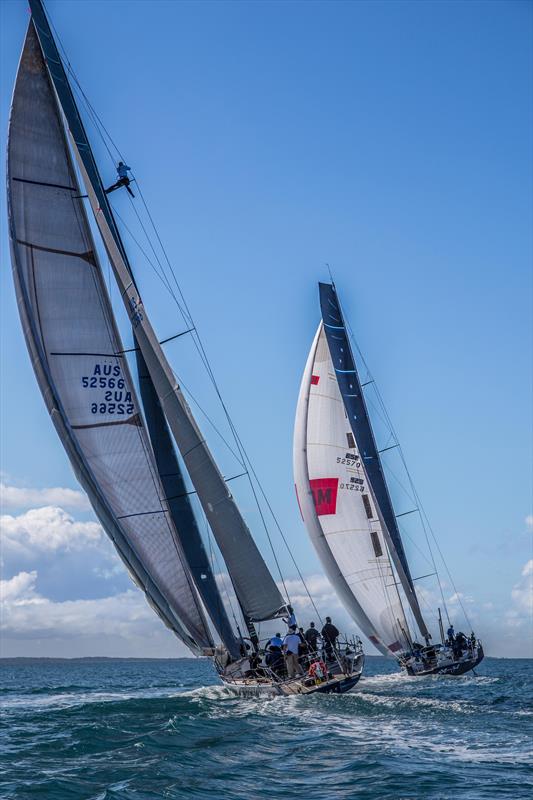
(311, 637)
(329, 635)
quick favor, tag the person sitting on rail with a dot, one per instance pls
(274, 655)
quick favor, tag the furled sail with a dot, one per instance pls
(357, 414)
(254, 586)
(338, 506)
(77, 354)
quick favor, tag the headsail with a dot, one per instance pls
(254, 586)
(338, 507)
(357, 414)
(77, 353)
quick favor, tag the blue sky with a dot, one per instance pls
(391, 140)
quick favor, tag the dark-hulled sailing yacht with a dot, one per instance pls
(121, 442)
(346, 505)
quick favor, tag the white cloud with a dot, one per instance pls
(529, 521)
(19, 586)
(522, 592)
(47, 529)
(23, 497)
(28, 615)
(459, 597)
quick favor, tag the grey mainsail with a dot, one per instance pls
(256, 590)
(77, 353)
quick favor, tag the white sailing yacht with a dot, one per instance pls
(121, 442)
(346, 505)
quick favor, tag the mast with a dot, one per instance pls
(255, 588)
(357, 414)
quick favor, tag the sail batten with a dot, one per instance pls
(64, 305)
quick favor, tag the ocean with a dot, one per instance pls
(138, 730)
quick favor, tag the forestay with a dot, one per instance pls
(77, 353)
(338, 506)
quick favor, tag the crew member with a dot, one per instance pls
(291, 644)
(329, 635)
(123, 179)
(290, 620)
(311, 637)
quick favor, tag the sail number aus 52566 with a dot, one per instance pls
(102, 383)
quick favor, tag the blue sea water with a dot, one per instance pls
(138, 730)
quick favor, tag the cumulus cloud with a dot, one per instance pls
(17, 587)
(320, 589)
(24, 497)
(459, 597)
(47, 529)
(28, 615)
(522, 592)
(529, 521)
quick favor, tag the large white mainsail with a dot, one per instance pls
(77, 353)
(338, 507)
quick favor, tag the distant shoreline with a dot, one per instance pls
(96, 659)
(14, 660)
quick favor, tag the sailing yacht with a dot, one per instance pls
(123, 442)
(346, 505)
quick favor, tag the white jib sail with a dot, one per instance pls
(338, 507)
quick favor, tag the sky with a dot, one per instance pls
(390, 140)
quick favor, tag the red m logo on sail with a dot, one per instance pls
(325, 495)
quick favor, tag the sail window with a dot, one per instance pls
(351, 441)
(368, 507)
(376, 544)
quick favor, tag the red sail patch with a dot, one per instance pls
(314, 380)
(325, 495)
(394, 646)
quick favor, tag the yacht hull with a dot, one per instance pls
(459, 667)
(340, 683)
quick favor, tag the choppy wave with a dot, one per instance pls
(143, 730)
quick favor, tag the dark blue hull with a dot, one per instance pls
(340, 687)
